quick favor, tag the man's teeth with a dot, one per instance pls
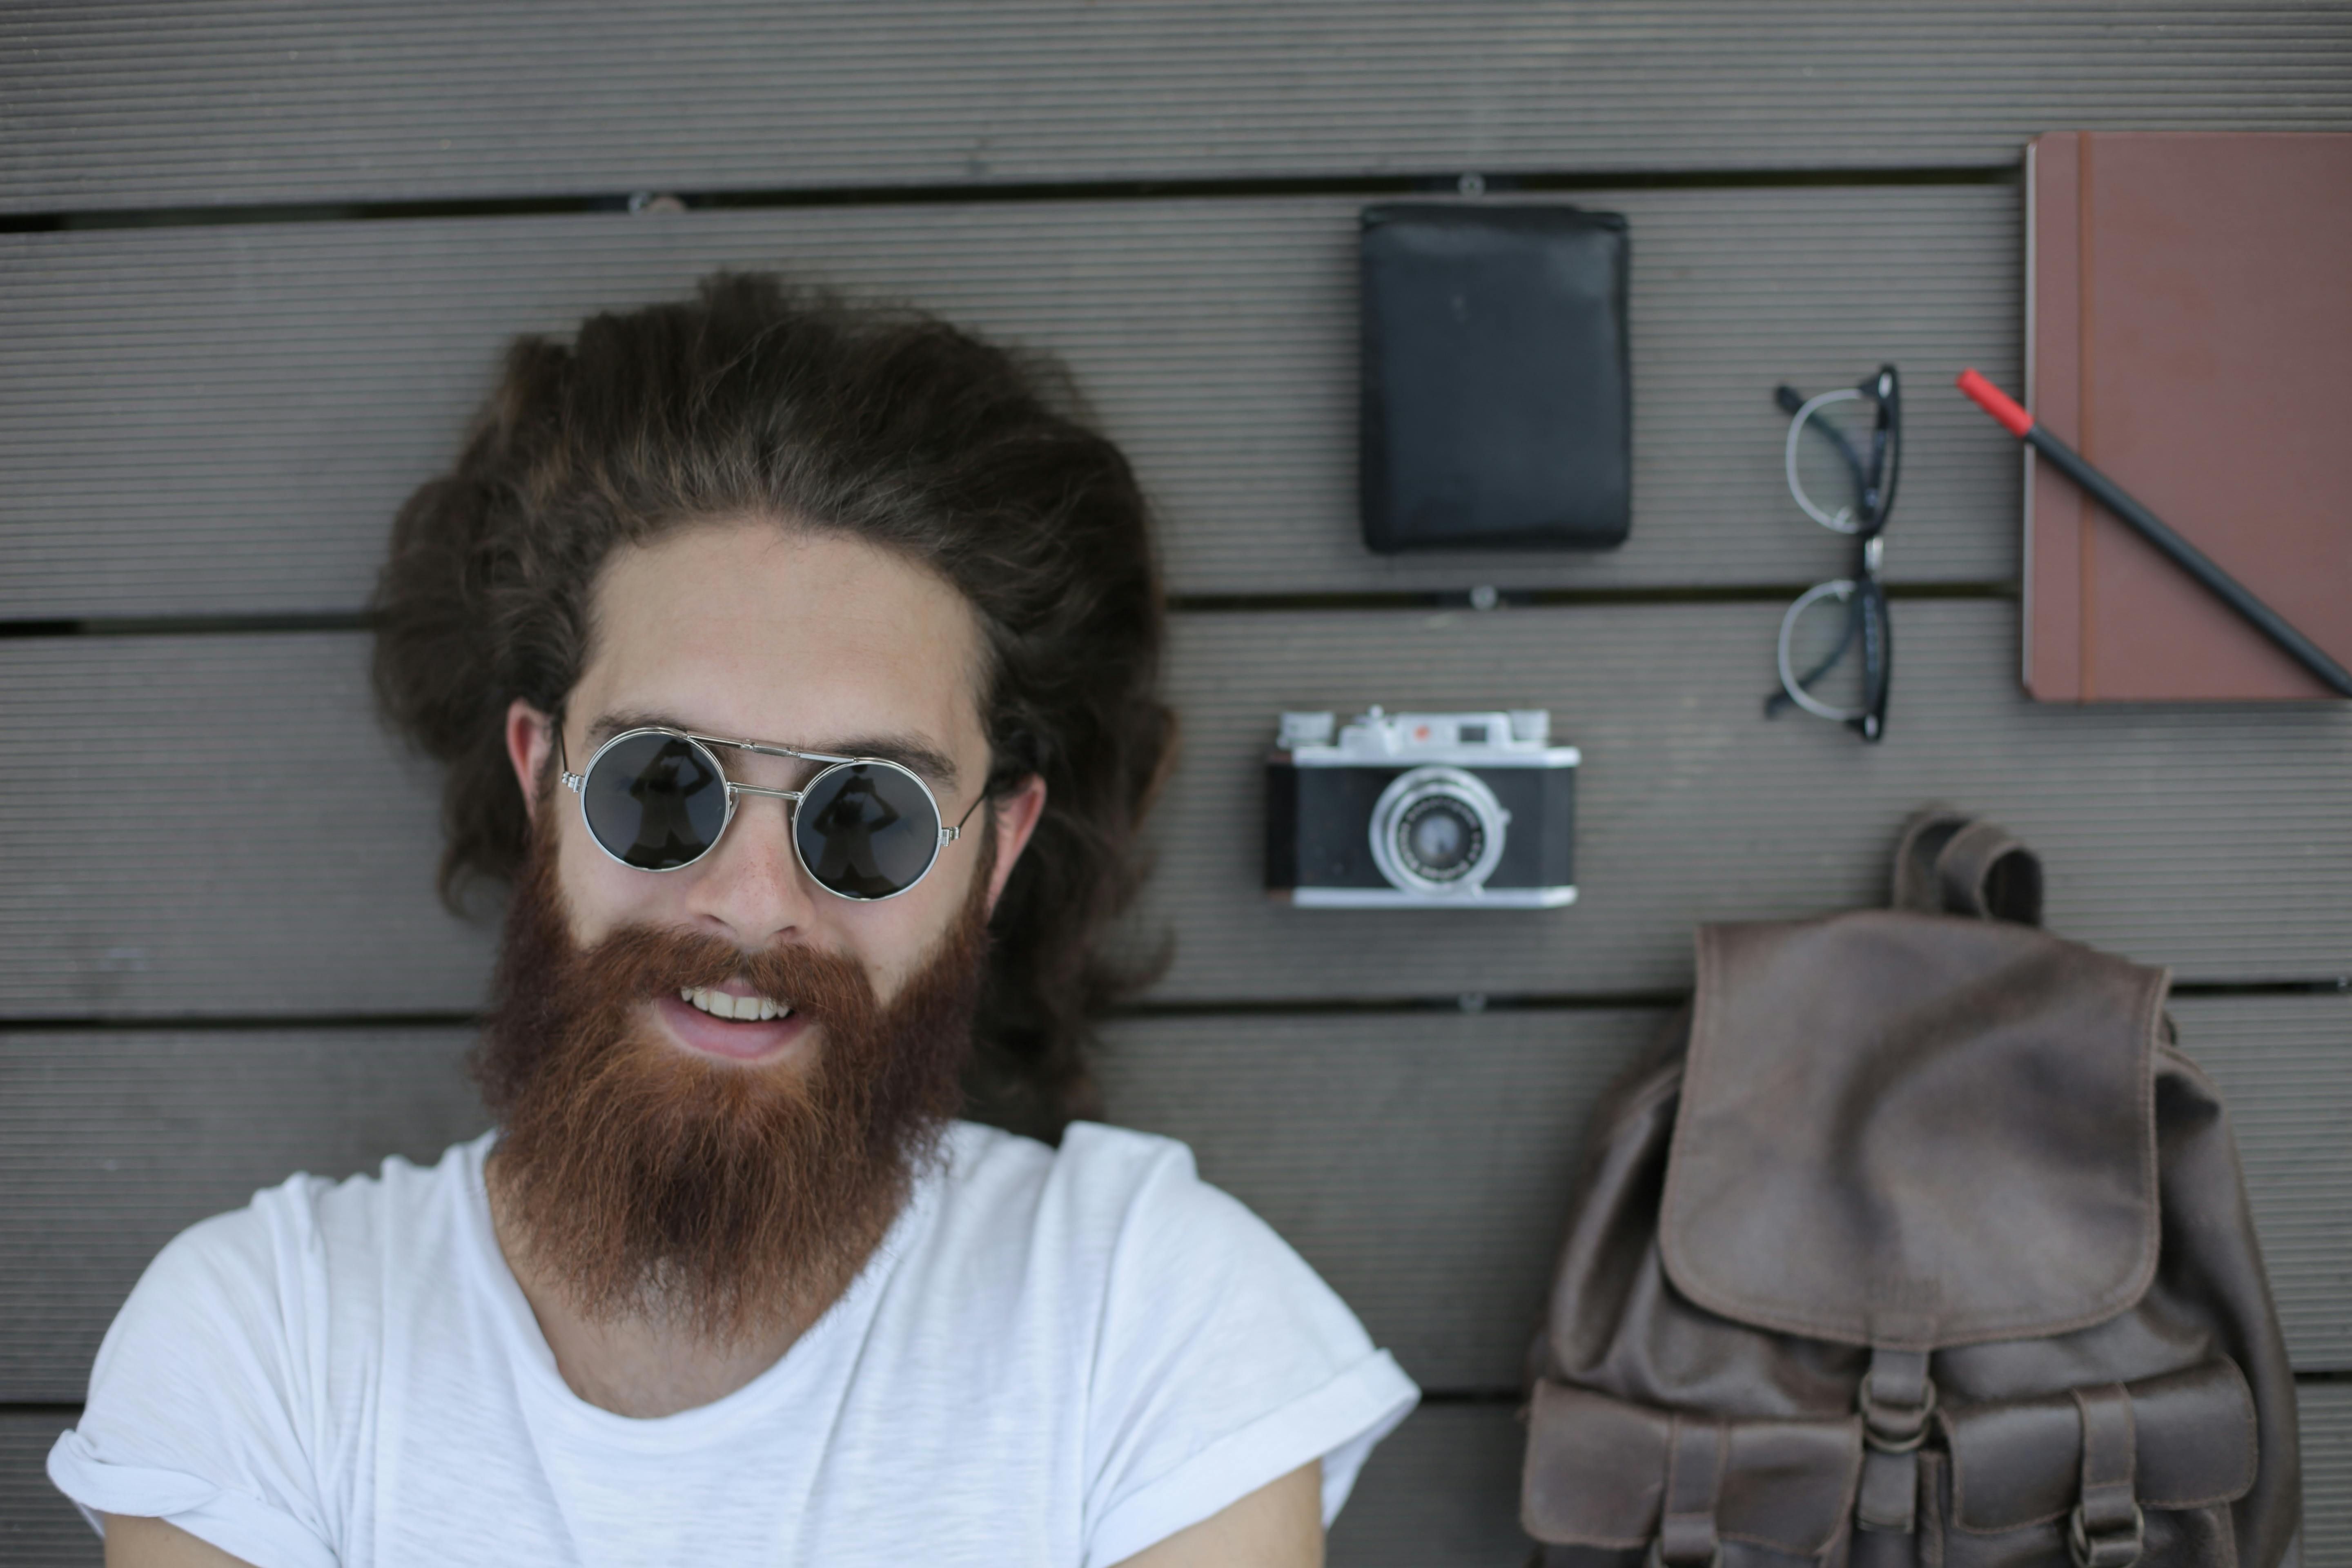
(719, 1004)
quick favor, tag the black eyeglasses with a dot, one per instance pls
(1865, 471)
(864, 829)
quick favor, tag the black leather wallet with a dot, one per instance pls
(1497, 400)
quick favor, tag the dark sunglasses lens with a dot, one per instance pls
(866, 830)
(654, 801)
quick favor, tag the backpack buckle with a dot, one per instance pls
(2112, 1550)
(1895, 1429)
(1656, 1556)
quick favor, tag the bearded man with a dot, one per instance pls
(795, 663)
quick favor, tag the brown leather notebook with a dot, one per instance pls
(2189, 329)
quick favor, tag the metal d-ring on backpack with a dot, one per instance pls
(1915, 1242)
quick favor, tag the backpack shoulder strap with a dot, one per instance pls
(1949, 863)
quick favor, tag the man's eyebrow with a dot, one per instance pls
(904, 749)
(611, 724)
(907, 751)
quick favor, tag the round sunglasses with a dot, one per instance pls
(658, 799)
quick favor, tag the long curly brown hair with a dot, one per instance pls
(884, 424)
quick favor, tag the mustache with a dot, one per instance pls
(648, 961)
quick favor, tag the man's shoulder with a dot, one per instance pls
(1102, 1169)
(1177, 1319)
(1103, 1191)
(1088, 1148)
(308, 1228)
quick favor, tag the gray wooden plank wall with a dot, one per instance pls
(1420, 1160)
(1433, 1213)
(207, 982)
(143, 102)
(2163, 842)
(217, 420)
(1442, 1492)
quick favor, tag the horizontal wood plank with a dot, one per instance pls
(111, 1144)
(2327, 1410)
(2215, 839)
(215, 825)
(219, 420)
(296, 841)
(1421, 1162)
(132, 102)
(38, 1527)
(2284, 1068)
(1440, 1492)
(1443, 1492)
(1442, 1489)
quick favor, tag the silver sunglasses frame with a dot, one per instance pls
(577, 783)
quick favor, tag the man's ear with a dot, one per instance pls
(1016, 818)
(531, 739)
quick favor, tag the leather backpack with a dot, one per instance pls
(1914, 1241)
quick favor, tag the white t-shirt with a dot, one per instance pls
(1056, 1357)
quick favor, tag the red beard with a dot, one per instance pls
(722, 1199)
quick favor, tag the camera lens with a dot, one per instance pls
(1438, 832)
(1440, 839)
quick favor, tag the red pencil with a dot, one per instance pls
(2187, 556)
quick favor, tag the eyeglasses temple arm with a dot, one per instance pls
(949, 835)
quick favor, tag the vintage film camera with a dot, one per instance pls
(1432, 810)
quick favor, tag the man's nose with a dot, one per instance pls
(752, 886)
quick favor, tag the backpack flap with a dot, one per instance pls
(2184, 1440)
(1913, 1132)
(1602, 1472)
